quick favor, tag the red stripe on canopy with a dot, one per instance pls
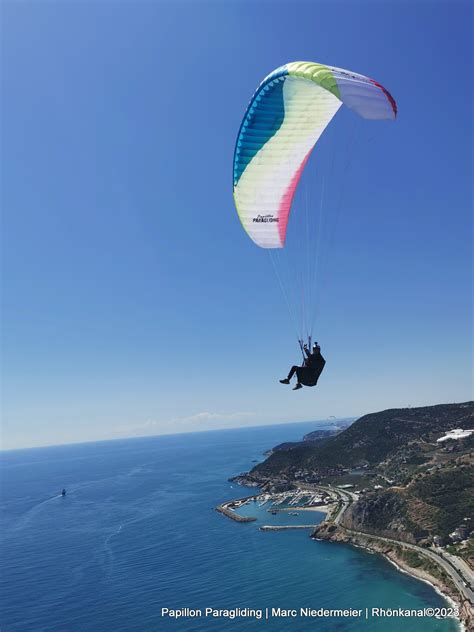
(287, 199)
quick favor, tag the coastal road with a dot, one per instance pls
(345, 497)
(345, 504)
(461, 584)
(459, 564)
(458, 571)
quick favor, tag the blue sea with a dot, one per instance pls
(137, 532)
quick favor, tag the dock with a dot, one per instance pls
(226, 511)
(271, 527)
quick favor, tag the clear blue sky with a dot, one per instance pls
(133, 301)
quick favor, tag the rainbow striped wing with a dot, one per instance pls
(284, 120)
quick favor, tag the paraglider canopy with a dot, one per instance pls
(284, 120)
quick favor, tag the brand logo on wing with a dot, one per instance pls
(265, 219)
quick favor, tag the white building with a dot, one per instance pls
(457, 433)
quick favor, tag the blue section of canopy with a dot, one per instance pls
(263, 118)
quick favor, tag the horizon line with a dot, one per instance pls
(172, 434)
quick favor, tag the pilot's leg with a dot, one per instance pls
(293, 370)
(286, 380)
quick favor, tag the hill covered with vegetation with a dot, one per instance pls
(384, 436)
(410, 480)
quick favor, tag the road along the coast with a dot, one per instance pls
(458, 572)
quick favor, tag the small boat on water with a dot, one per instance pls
(63, 492)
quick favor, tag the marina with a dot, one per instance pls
(288, 503)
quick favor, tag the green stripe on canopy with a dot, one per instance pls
(318, 73)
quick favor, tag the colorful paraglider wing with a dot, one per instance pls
(283, 122)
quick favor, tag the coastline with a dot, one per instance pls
(382, 501)
(330, 531)
(407, 570)
(325, 531)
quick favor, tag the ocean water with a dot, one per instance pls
(137, 532)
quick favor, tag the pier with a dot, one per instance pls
(271, 527)
(227, 510)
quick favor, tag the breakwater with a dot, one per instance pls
(269, 527)
(227, 509)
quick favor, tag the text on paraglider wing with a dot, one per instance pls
(265, 219)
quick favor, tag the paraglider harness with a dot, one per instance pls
(302, 346)
(314, 371)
